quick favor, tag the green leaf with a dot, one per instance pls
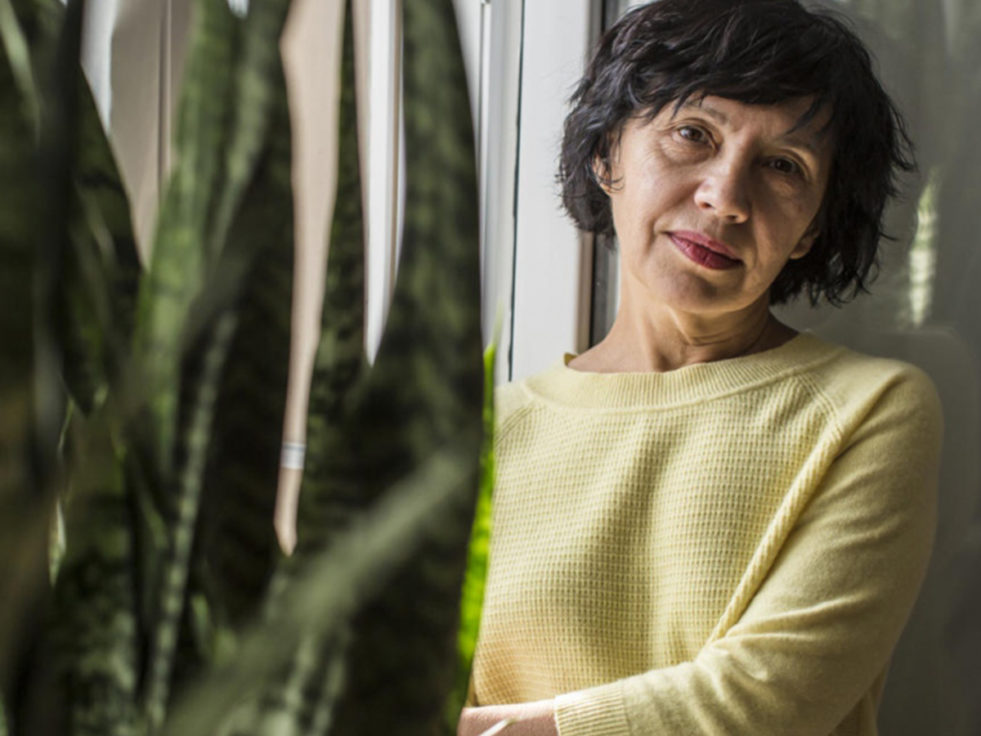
(19, 63)
(95, 275)
(323, 597)
(223, 542)
(97, 293)
(424, 389)
(168, 458)
(20, 576)
(33, 195)
(340, 360)
(94, 629)
(164, 638)
(176, 276)
(302, 699)
(475, 578)
(19, 217)
(368, 429)
(237, 545)
(259, 89)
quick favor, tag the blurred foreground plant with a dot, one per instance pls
(147, 407)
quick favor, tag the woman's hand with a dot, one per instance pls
(529, 719)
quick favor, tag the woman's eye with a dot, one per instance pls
(785, 166)
(693, 134)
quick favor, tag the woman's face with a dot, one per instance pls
(710, 203)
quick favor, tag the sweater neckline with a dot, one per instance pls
(567, 386)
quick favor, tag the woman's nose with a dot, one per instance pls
(724, 192)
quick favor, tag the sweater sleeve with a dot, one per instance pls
(823, 623)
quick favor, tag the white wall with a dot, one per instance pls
(552, 261)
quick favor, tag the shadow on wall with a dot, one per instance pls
(926, 311)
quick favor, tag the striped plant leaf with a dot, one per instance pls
(301, 700)
(19, 215)
(173, 586)
(326, 593)
(94, 628)
(97, 295)
(248, 262)
(167, 475)
(340, 359)
(423, 390)
(21, 513)
(23, 585)
(259, 89)
(368, 429)
(217, 293)
(176, 275)
(95, 292)
(237, 546)
(17, 57)
(57, 152)
(34, 152)
(91, 644)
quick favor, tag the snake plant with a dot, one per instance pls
(141, 410)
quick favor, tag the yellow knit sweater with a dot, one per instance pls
(730, 548)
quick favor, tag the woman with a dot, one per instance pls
(708, 523)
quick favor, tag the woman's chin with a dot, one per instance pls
(694, 294)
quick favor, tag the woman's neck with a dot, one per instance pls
(665, 341)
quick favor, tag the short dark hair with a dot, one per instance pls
(755, 52)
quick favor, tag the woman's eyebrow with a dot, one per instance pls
(708, 109)
(808, 143)
(792, 137)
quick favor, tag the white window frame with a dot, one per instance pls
(385, 183)
(523, 59)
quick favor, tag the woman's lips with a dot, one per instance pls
(704, 251)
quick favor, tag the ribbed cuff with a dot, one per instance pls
(598, 711)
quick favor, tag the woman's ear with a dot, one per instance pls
(606, 165)
(601, 173)
(806, 242)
